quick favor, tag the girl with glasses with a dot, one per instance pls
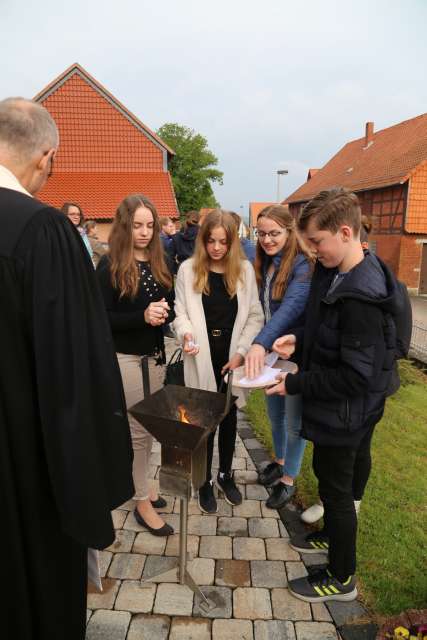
(75, 215)
(283, 270)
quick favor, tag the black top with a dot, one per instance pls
(349, 342)
(131, 333)
(220, 310)
(182, 245)
(60, 393)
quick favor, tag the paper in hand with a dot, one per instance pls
(267, 376)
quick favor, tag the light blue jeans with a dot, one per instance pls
(285, 417)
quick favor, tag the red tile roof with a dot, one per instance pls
(76, 100)
(100, 193)
(391, 156)
(105, 152)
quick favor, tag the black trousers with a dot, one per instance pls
(220, 348)
(343, 473)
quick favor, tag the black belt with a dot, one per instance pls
(217, 333)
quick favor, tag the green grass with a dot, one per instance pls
(392, 539)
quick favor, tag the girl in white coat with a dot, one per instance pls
(218, 314)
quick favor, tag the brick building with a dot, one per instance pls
(105, 151)
(388, 171)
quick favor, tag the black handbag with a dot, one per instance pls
(175, 369)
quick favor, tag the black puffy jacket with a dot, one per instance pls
(182, 245)
(349, 351)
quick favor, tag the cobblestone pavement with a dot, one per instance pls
(242, 561)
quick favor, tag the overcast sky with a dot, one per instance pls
(271, 84)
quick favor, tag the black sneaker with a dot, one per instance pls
(207, 500)
(280, 495)
(322, 586)
(316, 542)
(270, 474)
(228, 487)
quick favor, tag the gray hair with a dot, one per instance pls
(26, 128)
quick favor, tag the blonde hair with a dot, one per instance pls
(233, 259)
(294, 244)
(124, 269)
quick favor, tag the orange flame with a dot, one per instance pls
(183, 414)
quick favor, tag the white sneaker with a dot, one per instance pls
(357, 506)
(313, 513)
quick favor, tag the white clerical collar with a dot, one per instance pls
(9, 181)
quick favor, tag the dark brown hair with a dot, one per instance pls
(192, 218)
(124, 269)
(67, 205)
(330, 209)
(294, 244)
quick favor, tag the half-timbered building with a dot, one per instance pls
(388, 171)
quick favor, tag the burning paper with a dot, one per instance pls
(183, 417)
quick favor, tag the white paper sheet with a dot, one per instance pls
(271, 359)
(268, 375)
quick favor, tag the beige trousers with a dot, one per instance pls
(142, 441)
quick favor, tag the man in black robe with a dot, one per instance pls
(65, 451)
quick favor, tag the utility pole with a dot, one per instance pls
(280, 172)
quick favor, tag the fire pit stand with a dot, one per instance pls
(183, 449)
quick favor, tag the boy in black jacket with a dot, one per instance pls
(349, 349)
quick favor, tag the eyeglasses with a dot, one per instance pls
(270, 234)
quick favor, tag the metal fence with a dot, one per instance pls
(418, 347)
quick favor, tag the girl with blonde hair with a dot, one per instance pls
(138, 293)
(218, 314)
(283, 267)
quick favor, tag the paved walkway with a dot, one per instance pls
(419, 310)
(242, 561)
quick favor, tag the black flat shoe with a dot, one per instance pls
(160, 503)
(281, 494)
(270, 474)
(166, 530)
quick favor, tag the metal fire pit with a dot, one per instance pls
(183, 448)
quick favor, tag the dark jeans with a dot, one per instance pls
(220, 347)
(343, 473)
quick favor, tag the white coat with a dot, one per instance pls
(190, 318)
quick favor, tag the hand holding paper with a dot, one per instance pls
(280, 388)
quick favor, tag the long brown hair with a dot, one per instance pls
(294, 245)
(233, 258)
(124, 269)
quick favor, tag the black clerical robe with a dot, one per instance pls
(65, 449)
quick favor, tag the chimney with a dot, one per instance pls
(369, 133)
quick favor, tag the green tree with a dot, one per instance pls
(192, 168)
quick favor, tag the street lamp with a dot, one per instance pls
(280, 172)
